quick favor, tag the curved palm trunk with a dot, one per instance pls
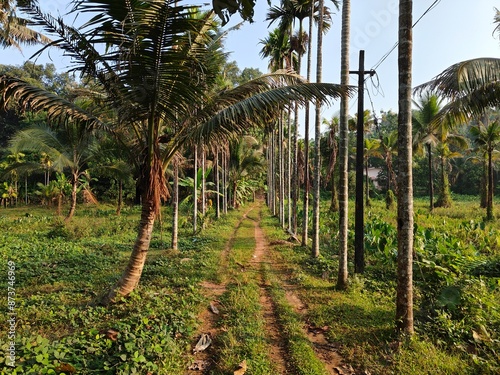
(132, 274)
(404, 293)
(342, 276)
(431, 178)
(74, 188)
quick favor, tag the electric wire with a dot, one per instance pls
(384, 57)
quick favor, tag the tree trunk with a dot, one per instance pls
(217, 184)
(489, 208)
(305, 214)
(342, 278)
(317, 140)
(72, 207)
(132, 274)
(404, 295)
(203, 182)
(431, 178)
(120, 197)
(175, 204)
(195, 191)
(367, 182)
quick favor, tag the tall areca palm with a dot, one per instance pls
(155, 62)
(344, 148)
(425, 132)
(404, 295)
(315, 252)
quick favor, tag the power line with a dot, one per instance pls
(431, 7)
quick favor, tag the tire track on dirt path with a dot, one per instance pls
(277, 348)
(326, 351)
(202, 361)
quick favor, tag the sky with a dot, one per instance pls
(452, 31)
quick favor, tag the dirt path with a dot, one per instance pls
(277, 351)
(325, 351)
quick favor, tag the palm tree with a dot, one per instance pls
(488, 139)
(157, 63)
(445, 154)
(14, 30)
(425, 132)
(333, 126)
(404, 294)
(470, 86)
(372, 150)
(68, 147)
(342, 277)
(388, 143)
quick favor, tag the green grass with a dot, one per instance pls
(361, 320)
(62, 269)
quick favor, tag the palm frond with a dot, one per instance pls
(470, 86)
(58, 110)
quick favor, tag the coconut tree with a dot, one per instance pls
(488, 139)
(470, 86)
(388, 143)
(155, 63)
(372, 150)
(70, 146)
(425, 132)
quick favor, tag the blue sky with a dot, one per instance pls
(455, 30)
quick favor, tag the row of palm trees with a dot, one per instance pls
(153, 69)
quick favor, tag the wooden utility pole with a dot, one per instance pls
(359, 232)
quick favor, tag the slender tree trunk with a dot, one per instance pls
(317, 140)
(175, 204)
(404, 295)
(225, 172)
(305, 222)
(484, 185)
(195, 191)
(217, 184)
(74, 188)
(367, 182)
(489, 209)
(342, 278)
(431, 178)
(26, 189)
(203, 182)
(289, 170)
(281, 172)
(120, 197)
